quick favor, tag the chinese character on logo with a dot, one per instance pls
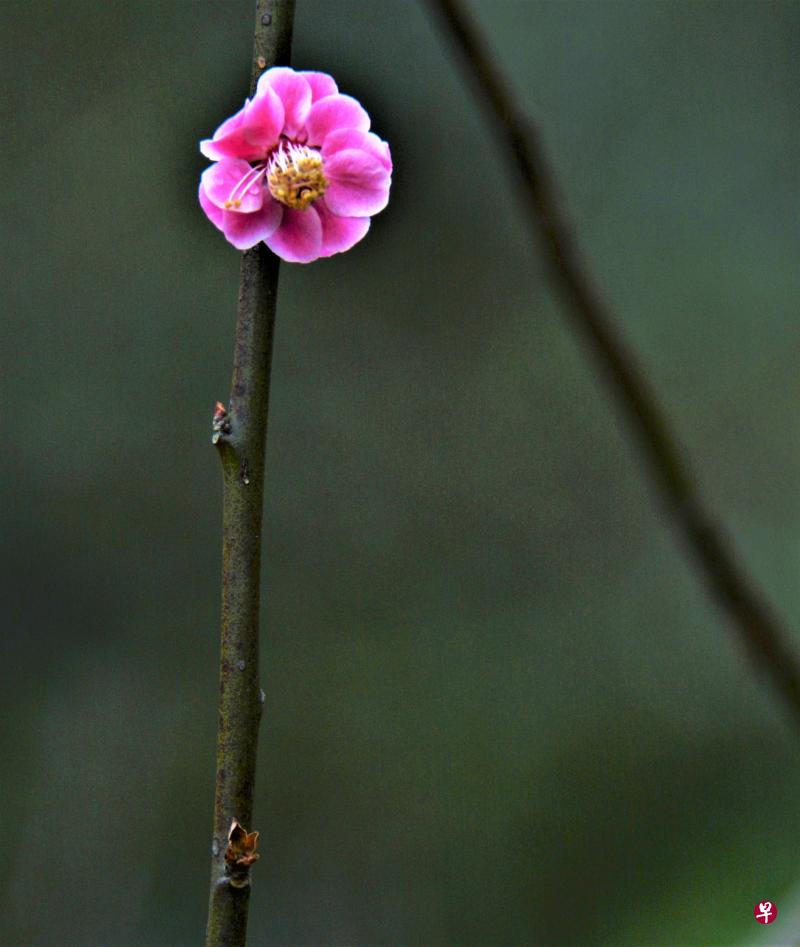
(765, 912)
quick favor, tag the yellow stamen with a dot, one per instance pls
(244, 184)
(295, 176)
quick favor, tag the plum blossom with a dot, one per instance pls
(296, 167)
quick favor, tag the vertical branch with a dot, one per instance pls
(759, 629)
(240, 437)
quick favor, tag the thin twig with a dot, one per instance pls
(240, 436)
(760, 630)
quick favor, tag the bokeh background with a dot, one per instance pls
(500, 708)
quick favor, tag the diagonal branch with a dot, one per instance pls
(240, 435)
(760, 630)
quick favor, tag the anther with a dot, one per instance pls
(251, 177)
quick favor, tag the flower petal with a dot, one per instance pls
(298, 239)
(214, 148)
(364, 141)
(339, 233)
(321, 84)
(263, 121)
(359, 183)
(246, 230)
(294, 92)
(227, 180)
(249, 134)
(331, 113)
(213, 212)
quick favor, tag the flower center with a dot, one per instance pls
(295, 176)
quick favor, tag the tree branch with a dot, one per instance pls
(240, 436)
(760, 630)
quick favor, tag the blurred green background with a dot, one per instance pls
(500, 708)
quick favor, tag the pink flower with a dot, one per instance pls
(296, 167)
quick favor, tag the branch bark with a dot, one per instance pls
(240, 436)
(759, 629)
